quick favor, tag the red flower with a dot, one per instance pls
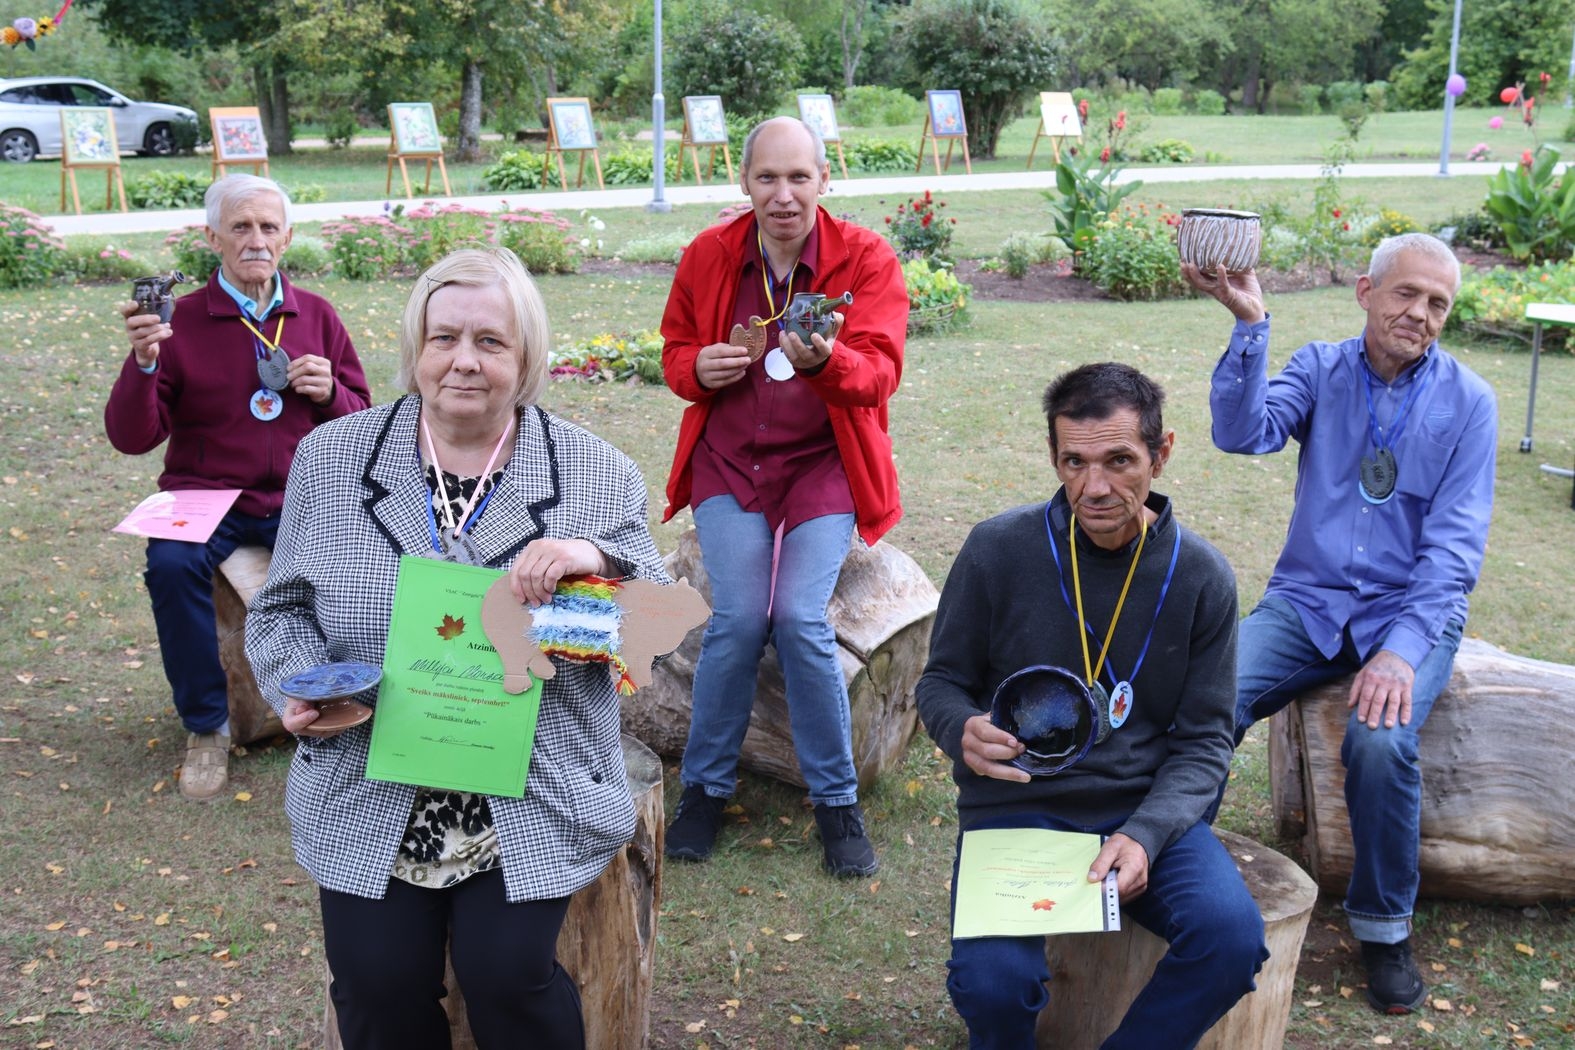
(1121, 120)
(888, 220)
(926, 194)
(926, 220)
(1104, 155)
(1525, 159)
(1345, 226)
(1082, 109)
(1544, 77)
(1336, 213)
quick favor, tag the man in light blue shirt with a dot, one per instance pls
(1394, 492)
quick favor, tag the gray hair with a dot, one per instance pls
(754, 133)
(479, 268)
(233, 189)
(1390, 249)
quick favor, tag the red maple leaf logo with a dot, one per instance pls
(451, 628)
(1044, 905)
(180, 524)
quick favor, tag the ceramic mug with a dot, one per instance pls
(1211, 238)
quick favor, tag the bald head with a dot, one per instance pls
(789, 126)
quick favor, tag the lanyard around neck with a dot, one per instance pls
(1397, 424)
(1092, 673)
(1084, 628)
(765, 279)
(265, 346)
(471, 506)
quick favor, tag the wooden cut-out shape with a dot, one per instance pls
(751, 338)
(650, 620)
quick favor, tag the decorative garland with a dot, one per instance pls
(28, 30)
(582, 624)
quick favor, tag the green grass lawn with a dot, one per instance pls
(134, 919)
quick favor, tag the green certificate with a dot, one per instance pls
(1024, 882)
(443, 719)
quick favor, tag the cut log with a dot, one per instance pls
(1498, 804)
(1094, 977)
(238, 579)
(881, 610)
(608, 941)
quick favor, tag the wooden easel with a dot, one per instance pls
(555, 150)
(221, 164)
(841, 160)
(935, 149)
(1056, 109)
(694, 155)
(395, 153)
(111, 168)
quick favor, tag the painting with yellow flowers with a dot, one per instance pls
(87, 134)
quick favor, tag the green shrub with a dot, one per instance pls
(1388, 223)
(1083, 196)
(306, 255)
(340, 126)
(1342, 92)
(1376, 95)
(1167, 101)
(1132, 255)
(311, 193)
(1018, 253)
(919, 231)
(937, 300)
(539, 238)
(365, 248)
(872, 105)
(186, 134)
(1472, 229)
(1167, 151)
(515, 170)
(633, 164)
(655, 248)
(1208, 103)
(611, 358)
(1534, 207)
(1494, 303)
(166, 189)
(1309, 98)
(720, 48)
(104, 262)
(873, 155)
(1323, 238)
(437, 231)
(193, 257)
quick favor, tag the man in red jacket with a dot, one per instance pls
(245, 368)
(783, 453)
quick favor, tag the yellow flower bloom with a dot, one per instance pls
(10, 37)
(46, 25)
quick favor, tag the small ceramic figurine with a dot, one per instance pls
(811, 312)
(153, 293)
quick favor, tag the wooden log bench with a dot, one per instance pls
(608, 942)
(1094, 977)
(238, 578)
(1498, 803)
(882, 611)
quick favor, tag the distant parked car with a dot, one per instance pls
(30, 117)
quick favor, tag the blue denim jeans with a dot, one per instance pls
(1275, 664)
(736, 547)
(1195, 900)
(180, 582)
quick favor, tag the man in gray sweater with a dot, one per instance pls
(1102, 582)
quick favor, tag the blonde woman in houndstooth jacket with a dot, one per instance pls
(405, 870)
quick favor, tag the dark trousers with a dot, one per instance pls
(180, 582)
(387, 960)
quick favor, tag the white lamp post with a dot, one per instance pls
(658, 203)
(1449, 97)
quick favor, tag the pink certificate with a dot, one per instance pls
(186, 514)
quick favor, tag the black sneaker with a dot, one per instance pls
(1394, 986)
(692, 834)
(848, 851)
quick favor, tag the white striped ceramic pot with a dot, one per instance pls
(1211, 238)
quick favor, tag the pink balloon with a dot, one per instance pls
(1455, 85)
(1496, 123)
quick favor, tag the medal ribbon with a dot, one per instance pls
(1077, 590)
(472, 507)
(1401, 417)
(1164, 591)
(262, 346)
(765, 279)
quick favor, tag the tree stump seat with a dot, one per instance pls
(608, 941)
(1498, 803)
(881, 610)
(1094, 977)
(238, 578)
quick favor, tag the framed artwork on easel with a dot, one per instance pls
(820, 113)
(413, 135)
(1058, 121)
(570, 129)
(704, 125)
(238, 139)
(943, 119)
(87, 140)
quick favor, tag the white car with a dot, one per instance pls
(30, 117)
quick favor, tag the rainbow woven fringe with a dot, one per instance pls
(581, 624)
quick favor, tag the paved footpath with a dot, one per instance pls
(571, 202)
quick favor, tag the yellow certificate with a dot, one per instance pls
(1026, 882)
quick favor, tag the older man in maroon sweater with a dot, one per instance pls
(244, 369)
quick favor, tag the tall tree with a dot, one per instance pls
(1501, 44)
(1150, 42)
